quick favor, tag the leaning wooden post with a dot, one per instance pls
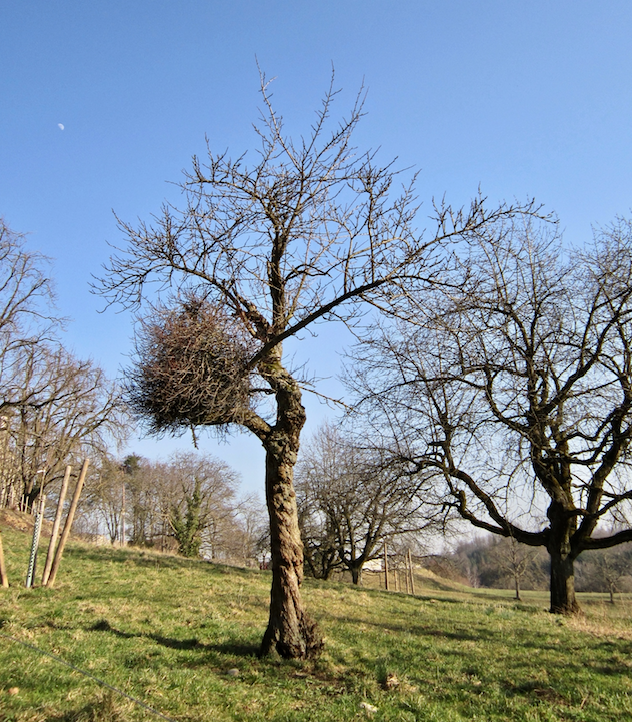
(4, 580)
(37, 530)
(69, 519)
(385, 568)
(56, 525)
(412, 576)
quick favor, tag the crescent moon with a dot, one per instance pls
(60, 126)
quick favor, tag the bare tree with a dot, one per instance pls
(60, 409)
(26, 322)
(105, 494)
(320, 549)
(253, 532)
(203, 491)
(52, 406)
(515, 391)
(514, 560)
(351, 499)
(26, 299)
(258, 254)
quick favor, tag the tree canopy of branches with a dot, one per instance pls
(265, 250)
(352, 498)
(514, 390)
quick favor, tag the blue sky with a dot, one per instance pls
(525, 99)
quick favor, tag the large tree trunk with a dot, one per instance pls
(290, 633)
(29, 498)
(563, 524)
(563, 599)
(356, 575)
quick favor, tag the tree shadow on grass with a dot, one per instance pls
(238, 649)
(193, 643)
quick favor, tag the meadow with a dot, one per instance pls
(181, 636)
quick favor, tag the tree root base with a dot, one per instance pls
(306, 642)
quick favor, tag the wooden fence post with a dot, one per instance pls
(122, 524)
(69, 519)
(385, 568)
(4, 580)
(56, 525)
(37, 530)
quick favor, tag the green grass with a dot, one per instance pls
(167, 631)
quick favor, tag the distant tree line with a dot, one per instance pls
(187, 504)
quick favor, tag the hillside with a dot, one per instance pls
(181, 636)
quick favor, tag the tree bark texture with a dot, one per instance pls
(563, 599)
(563, 525)
(290, 633)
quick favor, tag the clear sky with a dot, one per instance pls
(524, 98)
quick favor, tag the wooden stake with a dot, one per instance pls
(37, 530)
(385, 568)
(69, 519)
(412, 576)
(4, 580)
(122, 525)
(56, 525)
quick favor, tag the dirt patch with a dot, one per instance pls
(18, 520)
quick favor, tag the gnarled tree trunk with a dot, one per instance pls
(290, 633)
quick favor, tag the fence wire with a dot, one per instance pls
(101, 682)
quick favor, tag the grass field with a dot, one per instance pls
(181, 636)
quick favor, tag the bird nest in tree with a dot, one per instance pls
(191, 369)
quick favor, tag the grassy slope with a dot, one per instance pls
(168, 630)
